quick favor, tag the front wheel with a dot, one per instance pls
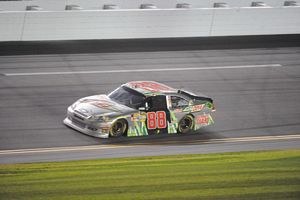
(118, 128)
(186, 124)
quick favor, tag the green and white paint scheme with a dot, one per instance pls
(140, 108)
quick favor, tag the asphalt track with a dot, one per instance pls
(256, 93)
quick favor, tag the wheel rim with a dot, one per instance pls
(118, 128)
(186, 124)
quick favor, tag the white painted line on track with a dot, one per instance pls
(101, 147)
(248, 139)
(143, 70)
(61, 149)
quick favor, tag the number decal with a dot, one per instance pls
(161, 119)
(156, 120)
(151, 120)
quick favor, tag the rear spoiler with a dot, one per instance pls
(194, 96)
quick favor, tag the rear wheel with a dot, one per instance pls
(118, 128)
(186, 124)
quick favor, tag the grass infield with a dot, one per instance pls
(247, 175)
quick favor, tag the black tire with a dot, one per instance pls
(186, 124)
(118, 128)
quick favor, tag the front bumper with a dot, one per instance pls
(83, 128)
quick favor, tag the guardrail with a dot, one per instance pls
(148, 23)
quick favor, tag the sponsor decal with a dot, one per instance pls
(202, 119)
(105, 126)
(105, 130)
(209, 105)
(84, 111)
(100, 104)
(178, 110)
(151, 86)
(195, 108)
(138, 117)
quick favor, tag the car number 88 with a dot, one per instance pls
(156, 120)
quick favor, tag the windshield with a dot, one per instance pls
(128, 97)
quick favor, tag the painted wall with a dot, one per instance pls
(59, 5)
(137, 23)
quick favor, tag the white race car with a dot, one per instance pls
(140, 108)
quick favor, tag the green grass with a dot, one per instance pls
(248, 175)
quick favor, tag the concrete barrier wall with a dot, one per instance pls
(12, 24)
(158, 23)
(59, 5)
(116, 24)
(256, 21)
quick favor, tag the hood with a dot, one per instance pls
(100, 105)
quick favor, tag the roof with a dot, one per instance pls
(150, 87)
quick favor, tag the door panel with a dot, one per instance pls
(158, 115)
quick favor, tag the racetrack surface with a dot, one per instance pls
(256, 93)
